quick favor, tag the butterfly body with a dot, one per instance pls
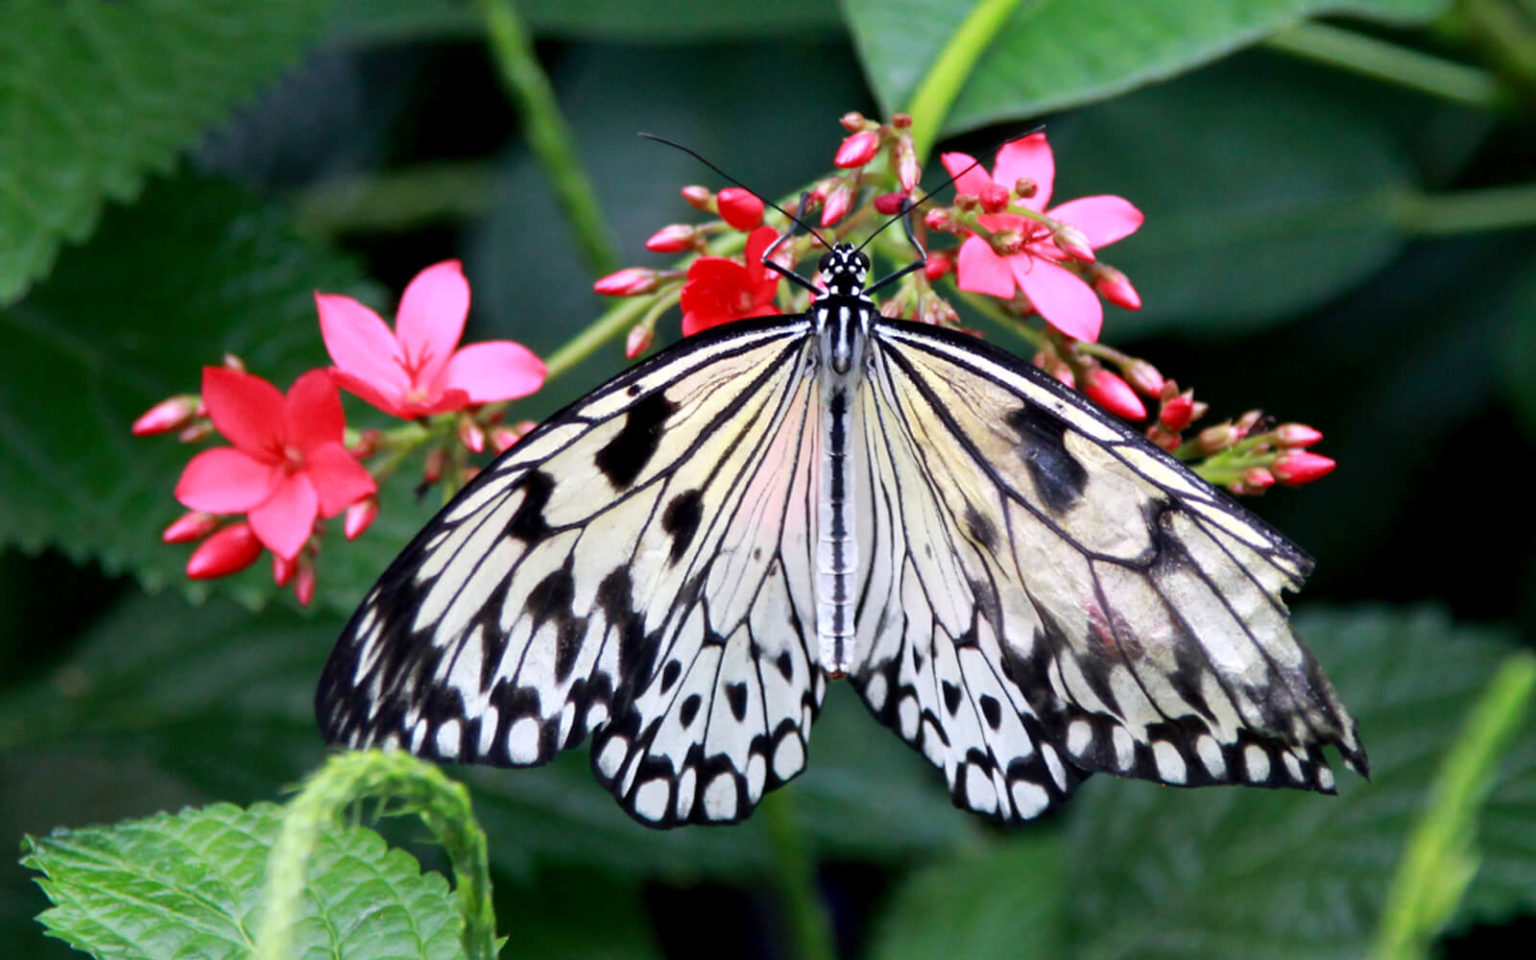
(1022, 588)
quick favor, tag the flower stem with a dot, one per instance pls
(1467, 211)
(810, 927)
(610, 325)
(548, 134)
(938, 89)
(1391, 63)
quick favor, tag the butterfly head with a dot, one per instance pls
(843, 271)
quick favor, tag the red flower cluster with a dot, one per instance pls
(288, 467)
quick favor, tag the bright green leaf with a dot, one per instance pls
(1055, 54)
(1159, 871)
(96, 96)
(189, 885)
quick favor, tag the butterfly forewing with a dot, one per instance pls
(636, 566)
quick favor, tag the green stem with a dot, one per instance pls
(1467, 211)
(936, 93)
(1440, 858)
(417, 787)
(618, 319)
(548, 135)
(1507, 34)
(810, 927)
(1389, 62)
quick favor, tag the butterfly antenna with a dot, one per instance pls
(699, 157)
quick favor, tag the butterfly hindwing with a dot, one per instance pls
(635, 567)
(1131, 615)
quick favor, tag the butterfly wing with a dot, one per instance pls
(1062, 590)
(634, 568)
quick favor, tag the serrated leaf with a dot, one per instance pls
(189, 884)
(224, 700)
(1054, 54)
(1002, 900)
(1236, 872)
(196, 268)
(96, 96)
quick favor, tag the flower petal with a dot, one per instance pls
(980, 270)
(1103, 219)
(313, 411)
(1061, 296)
(760, 274)
(226, 480)
(1027, 157)
(494, 370)
(392, 404)
(969, 176)
(360, 344)
(284, 522)
(339, 480)
(246, 409)
(431, 319)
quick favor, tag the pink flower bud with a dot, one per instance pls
(1073, 242)
(673, 238)
(1177, 413)
(228, 551)
(234, 363)
(1296, 467)
(939, 264)
(283, 570)
(304, 584)
(939, 219)
(937, 311)
(890, 204)
(1163, 437)
(853, 121)
(698, 197)
(994, 198)
(195, 431)
(367, 444)
(1296, 435)
(169, 414)
(1114, 394)
(194, 525)
(1114, 287)
(639, 340)
(627, 282)
(838, 203)
(471, 435)
(1026, 188)
(857, 149)
(1257, 480)
(740, 208)
(1007, 242)
(901, 121)
(360, 517)
(1218, 438)
(432, 471)
(908, 171)
(1146, 378)
(1248, 421)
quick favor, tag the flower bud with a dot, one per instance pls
(839, 201)
(193, 525)
(195, 431)
(1163, 437)
(1007, 242)
(673, 238)
(471, 435)
(698, 197)
(740, 208)
(627, 282)
(283, 570)
(1296, 467)
(1114, 287)
(857, 149)
(230, 550)
(169, 414)
(937, 311)
(939, 263)
(367, 444)
(1217, 438)
(234, 363)
(1114, 394)
(994, 198)
(360, 517)
(432, 470)
(901, 121)
(1147, 379)
(890, 204)
(304, 583)
(1296, 435)
(1257, 480)
(1026, 188)
(639, 339)
(940, 220)
(908, 170)
(1072, 242)
(853, 121)
(1177, 413)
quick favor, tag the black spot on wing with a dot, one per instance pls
(1042, 444)
(623, 457)
(690, 709)
(981, 529)
(681, 521)
(528, 523)
(669, 674)
(736, 695)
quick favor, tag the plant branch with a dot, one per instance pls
(938, 89)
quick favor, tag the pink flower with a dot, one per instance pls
(287, 464)
(1060, 296)
(415, 370)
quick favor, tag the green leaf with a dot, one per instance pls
(96, 96)
(1258, 207)
(1055, 54)
(1234, 872)
(166, 286)
(189, 884)
(1002, 900)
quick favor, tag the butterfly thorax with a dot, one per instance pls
(843, 316)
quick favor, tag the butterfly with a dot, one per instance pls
(1021, 587)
